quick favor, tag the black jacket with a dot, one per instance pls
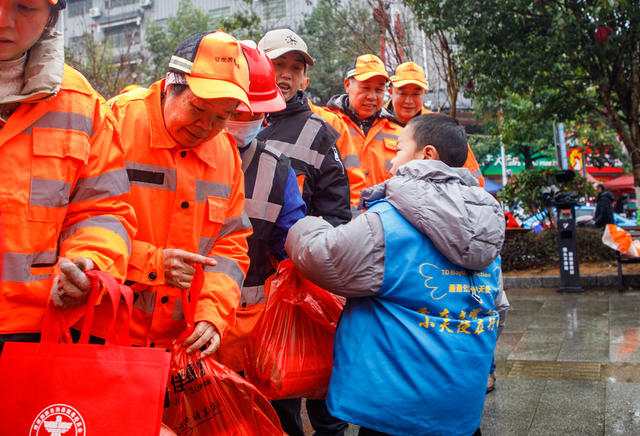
(310, 143)
(604, 209)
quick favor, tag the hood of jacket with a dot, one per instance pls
(43, 71)
(341, 103)
(465, 223)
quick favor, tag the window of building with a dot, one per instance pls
(122, 37)
(108, 4)
(275, 8)
(77, 7)
(220, 12)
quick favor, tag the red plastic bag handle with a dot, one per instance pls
(53, 326)
(190, 297)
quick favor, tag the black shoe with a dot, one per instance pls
(491, 383)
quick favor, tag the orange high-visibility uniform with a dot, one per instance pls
(471, 163)
(186, 198)
(376, 148)
(63, 191)
(348, 152)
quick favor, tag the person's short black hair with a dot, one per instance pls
(176, 89)
(442, 132)
(55, 13)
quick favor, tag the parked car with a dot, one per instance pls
(584, 217)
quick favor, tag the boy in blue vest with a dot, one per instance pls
(421, 269)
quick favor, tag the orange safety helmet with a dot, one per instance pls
(264, 94)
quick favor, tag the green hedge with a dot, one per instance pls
(536, 250)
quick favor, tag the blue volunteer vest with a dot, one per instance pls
(414, 359)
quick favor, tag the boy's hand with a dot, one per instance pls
(178, 271)
(71, 287)
(204, 333)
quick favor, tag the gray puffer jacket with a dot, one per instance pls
(465, 223)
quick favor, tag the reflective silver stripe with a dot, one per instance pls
(109, 184)
(264, 177)
(177, 314)
(107, 222)
(300, 150)
(63, 121)
(272, 150)
(387, 164)
(231, 225)
(145, 301)
(229, 267)
(383, 135)
(213, 189)
(263, 210)
(16, 267)
(49, 193)
(180, 64)
(353, 131)
(248, 154)
(235, 224)
(252, 295)
(351, 160)
(205, 245)
(170, 176)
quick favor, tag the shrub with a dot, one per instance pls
(536, 250)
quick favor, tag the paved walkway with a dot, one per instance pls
(568, 364)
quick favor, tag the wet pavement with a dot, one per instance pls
(567, 364)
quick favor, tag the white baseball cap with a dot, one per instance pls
(275, 43)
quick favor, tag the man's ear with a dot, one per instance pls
(347, 82)
(429, 152)
(305, 84)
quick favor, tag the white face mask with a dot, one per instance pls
(244, 131)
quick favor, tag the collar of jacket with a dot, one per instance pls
(389, 107)
(43, 71)
(161, 138)
(298, 103)
(341, 103)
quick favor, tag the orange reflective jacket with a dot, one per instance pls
(347, 150)
(63, 188)
(471, 163)
(186, 198)
(376, 149)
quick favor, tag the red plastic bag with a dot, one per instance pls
(77, 389)
(206, 398)
(289, 354)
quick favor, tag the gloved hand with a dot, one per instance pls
(71, 287)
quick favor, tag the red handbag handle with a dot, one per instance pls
(53, 323)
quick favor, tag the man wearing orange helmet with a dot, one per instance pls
(272, 199)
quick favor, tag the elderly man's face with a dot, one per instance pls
(192, 120)
(366, 97)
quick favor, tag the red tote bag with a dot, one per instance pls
(67, 389)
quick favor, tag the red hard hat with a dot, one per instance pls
(264, 94)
